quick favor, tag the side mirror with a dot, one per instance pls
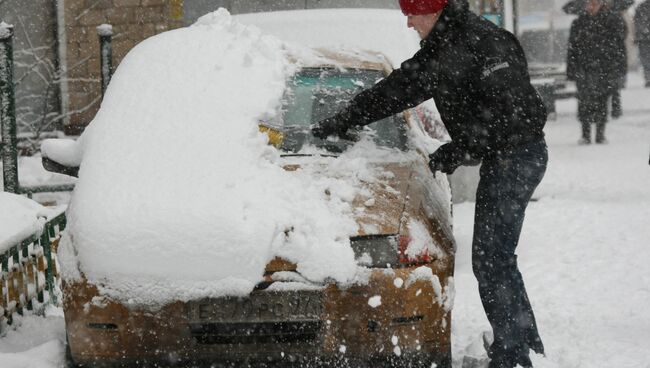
(55, 167)
(61, 156)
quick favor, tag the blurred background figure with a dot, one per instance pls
(597, 62)
(642, 25)
(618, 8)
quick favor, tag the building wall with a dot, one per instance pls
(35, 62)
(132, 21)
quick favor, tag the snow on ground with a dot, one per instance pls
(38, 342)
(584, 249)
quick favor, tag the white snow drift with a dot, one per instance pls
(20, 218)
(179, 195)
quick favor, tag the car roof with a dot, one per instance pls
(378, 30)
(330, 58)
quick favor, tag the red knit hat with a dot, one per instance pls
(420, 7)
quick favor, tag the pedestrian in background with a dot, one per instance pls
(642, 25)
(619, 8)
(617, 101)
(597, 62)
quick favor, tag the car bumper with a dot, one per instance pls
(411, 327)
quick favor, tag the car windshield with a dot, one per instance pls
(316, 94)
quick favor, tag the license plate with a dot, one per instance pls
(259, 307)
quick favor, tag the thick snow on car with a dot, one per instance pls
(209, 226)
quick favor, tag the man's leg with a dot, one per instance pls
(505, 189)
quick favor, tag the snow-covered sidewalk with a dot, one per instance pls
(584, 249)
(583, 252)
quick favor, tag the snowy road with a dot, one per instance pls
(584, 255)
(585, 246)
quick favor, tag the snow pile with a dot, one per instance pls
(375, 301)
(5, 30)
(105, 30)
(20, 218)
(34, 341)
(179, 196)
(66, 152)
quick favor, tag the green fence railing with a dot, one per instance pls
(29, 277)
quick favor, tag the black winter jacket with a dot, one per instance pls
(477, 75)
(596, 57)
(642, 22)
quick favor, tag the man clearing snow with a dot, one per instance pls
(477, 75)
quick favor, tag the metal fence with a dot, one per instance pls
(8, 127)
(29, 277)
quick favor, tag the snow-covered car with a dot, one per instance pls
(264, 246)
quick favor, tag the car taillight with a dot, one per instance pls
(405, 258)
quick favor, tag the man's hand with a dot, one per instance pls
(330, 126)
(446, 159)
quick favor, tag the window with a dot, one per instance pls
(316, 94)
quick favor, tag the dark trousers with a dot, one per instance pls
(644, 55)
(506, 186)
(592, 109)
(617, 104)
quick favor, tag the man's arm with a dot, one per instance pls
(406, 87)
(571, 59)
(619, 32)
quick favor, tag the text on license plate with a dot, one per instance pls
(259, 307)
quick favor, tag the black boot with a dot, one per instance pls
(617, 105)
(600, 133)
(586, 134)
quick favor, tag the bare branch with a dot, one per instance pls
(85, 11)
(31, 45)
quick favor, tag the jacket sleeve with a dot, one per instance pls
(406, 87)
(619, 32)
(642, 22)
(572, 54)
(509, 105)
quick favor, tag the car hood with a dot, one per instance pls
(379, 205)
(381, 214)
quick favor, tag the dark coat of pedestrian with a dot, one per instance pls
(478, 76)
(618, 7)
(642, 37)
(597, 62)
